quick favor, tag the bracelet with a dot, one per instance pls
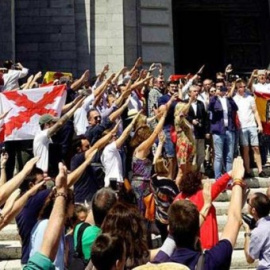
(203, 216)
(247, 234)
(60, 194)
(237, 179)
(2, 168)
(238, 183)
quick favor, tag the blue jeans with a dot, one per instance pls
(224, 149)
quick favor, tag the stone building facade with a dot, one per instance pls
(74, 35)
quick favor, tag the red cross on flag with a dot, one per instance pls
(26, 107)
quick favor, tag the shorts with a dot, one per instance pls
(249, 136)
(169, 145)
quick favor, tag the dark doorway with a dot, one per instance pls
(198, 40)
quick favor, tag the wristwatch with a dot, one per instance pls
(247, 234)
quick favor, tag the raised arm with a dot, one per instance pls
(207, 201)
(114, 115)
(105, 139)
(71, 104)
(162, 138)
(142, 150)
(28, 82)
(98, 93)
(120, 141)
(137, 64)
(117, 75)
(251, 80)
(16, 181)
(3, 160)
(60, 123)
(234, 221)
(56, 222)
(8, 216)
(36, 77)
(75, 175)
(78, 83)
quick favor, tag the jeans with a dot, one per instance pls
(224, 150)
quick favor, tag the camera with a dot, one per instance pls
(113, 184)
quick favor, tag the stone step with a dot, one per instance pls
(226, 196)
(10, 232)
(10, 250)
(222, 208)
(10, 265)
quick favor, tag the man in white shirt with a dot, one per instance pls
(49, 126)
(249, 119)
(261, 86)
(11, 78)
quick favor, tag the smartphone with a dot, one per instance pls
(113, 183)
(55, 156)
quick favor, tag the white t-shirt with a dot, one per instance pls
(224, 105)
(262, 88)
(80, 120)
(245, 114)
(41, 149)
(112, 162)
(11, 79)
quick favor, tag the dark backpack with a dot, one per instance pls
(78, 261)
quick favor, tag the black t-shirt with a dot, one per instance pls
(27, 219)
(90, 181)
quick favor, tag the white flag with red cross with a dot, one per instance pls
(25, 108)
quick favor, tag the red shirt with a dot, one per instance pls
(209, 229)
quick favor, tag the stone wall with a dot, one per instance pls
(45, 35)
(6, 30)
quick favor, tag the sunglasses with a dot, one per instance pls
(97, 118)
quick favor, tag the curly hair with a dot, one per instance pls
(125, 220)
(191, 183)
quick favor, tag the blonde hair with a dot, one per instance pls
(160, 167)
(141, 134)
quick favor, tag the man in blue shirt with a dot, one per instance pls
(257, 242)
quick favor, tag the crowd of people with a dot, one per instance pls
(127, 161)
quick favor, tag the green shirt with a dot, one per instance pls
(39, 261)
(89, 236)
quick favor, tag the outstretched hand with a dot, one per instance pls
(61, 178)
(207, 186)
(30, 164)
(238, 169)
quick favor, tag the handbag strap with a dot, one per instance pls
(79, 238)
(200, 263)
